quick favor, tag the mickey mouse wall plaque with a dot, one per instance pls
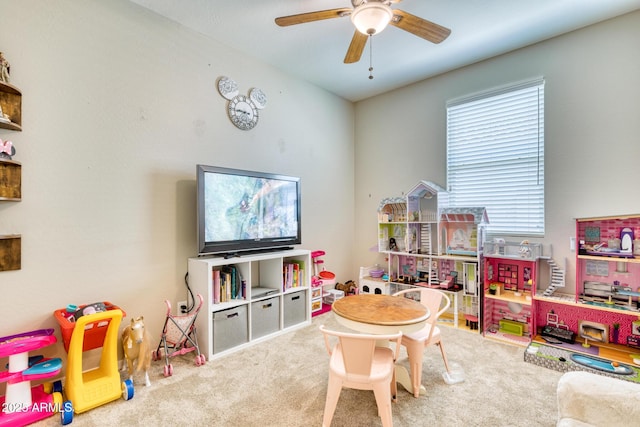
(242, 110)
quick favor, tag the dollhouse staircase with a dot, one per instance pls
(557, 276)
(425, 238)
(433, 276)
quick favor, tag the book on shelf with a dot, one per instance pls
(231, 272)
(299, 272)
(216, 286)
(227, 284)
(293, 275)
(287, 274)
(224, 286)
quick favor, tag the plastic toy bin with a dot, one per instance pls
(94, 333)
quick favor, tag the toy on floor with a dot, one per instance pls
(90, 388)
(179, 336)
(24, 404)
(602, 364)
(136, 346)
(349, 287)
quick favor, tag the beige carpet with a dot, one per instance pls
(282, 382)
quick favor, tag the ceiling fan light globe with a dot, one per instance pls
(371, 18)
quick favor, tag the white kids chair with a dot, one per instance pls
(356, 362)
(437, 302)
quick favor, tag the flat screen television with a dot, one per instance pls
(240, 210)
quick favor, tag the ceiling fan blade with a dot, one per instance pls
(358, 42)
(285, 21)
(420, 27)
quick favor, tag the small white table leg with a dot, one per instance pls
(404, 379)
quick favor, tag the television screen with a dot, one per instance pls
(241, 210)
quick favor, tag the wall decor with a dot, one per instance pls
(242, 110)
(5, 69)
(597, 268)
(592, 234)
(7, 150)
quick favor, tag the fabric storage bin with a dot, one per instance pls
(265, 317)
(295, 308)
(230, 328)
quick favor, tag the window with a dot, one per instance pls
(495, 156)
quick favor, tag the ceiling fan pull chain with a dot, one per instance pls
(370, 56)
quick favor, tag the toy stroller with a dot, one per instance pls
(179, 338)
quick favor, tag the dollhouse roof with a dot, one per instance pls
(477, 215)
(423, 189)
(391, 202)
(426, 188)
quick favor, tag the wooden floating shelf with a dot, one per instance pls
(11, 103)
(10, 174)
(10, 252)
(10, 126)
(10, 180)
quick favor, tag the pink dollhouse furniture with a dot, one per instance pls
(356, 362)
(437, 302)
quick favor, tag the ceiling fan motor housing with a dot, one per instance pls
(371, 18)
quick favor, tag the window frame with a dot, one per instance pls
(516, 161)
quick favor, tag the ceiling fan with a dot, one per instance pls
(371, 17)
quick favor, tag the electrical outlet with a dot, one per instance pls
(182, 307)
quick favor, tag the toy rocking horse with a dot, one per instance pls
(136, 348)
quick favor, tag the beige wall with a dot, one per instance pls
(592, 128)
(119, 105)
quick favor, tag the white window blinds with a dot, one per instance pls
(495, 156)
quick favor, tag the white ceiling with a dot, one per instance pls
(315, 51)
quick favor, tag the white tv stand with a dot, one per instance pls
(226, 327)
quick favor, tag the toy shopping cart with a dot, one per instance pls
(88, 389)
(178, 338)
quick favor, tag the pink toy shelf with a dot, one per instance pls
(24, 404)
(321, 277)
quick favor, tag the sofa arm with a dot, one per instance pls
(596, 400)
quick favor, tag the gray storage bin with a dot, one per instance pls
(265, 317)
(230, 328)
(295, 308)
